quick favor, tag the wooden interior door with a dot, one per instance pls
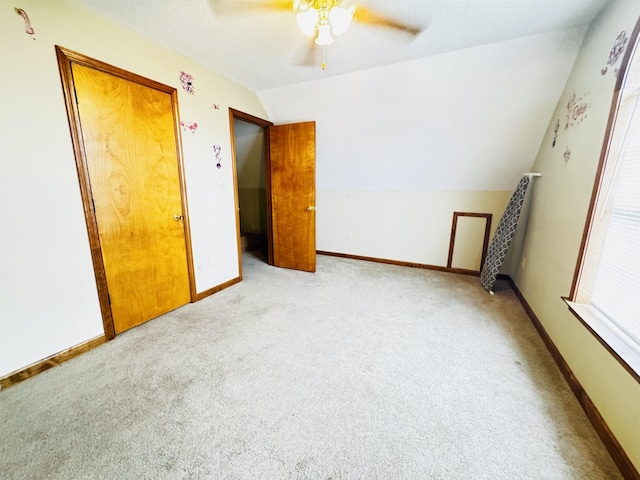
(292, 152)
(129, 140)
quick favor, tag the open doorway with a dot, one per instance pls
(250, 145)
(252, 190)
(275, 188)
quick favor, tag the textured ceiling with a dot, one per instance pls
(263, 49)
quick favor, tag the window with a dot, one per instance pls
(606, 291)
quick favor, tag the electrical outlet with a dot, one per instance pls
(523, 262)
(350, 235)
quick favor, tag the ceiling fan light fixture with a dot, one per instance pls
(324, 35)
(307, 20)
(340, 19)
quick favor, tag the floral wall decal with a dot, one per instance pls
(577, 108)
(186, 81)
(616, 52)
(217, 149)
(189, 126)
(555, 133)
(567, 155)
(27, 23)
(215, 106)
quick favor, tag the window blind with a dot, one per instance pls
(616, 291)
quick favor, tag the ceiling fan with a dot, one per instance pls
(322, 20)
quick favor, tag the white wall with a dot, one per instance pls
(557, 218)
(400, 147)
(48, 299)
(404, 225)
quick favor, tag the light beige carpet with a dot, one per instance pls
(360, 371)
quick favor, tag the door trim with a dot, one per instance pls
(265, 124)
(65, 58)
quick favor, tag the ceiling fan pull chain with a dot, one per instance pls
(324, 57)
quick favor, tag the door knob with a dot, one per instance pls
(177, 217)
(310, 208)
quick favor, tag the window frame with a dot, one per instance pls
(603, 330)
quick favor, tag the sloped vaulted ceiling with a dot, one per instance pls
(262, 49)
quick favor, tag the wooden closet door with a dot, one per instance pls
(131, 153)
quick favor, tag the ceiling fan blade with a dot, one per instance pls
(368, 17)
(230, 7)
